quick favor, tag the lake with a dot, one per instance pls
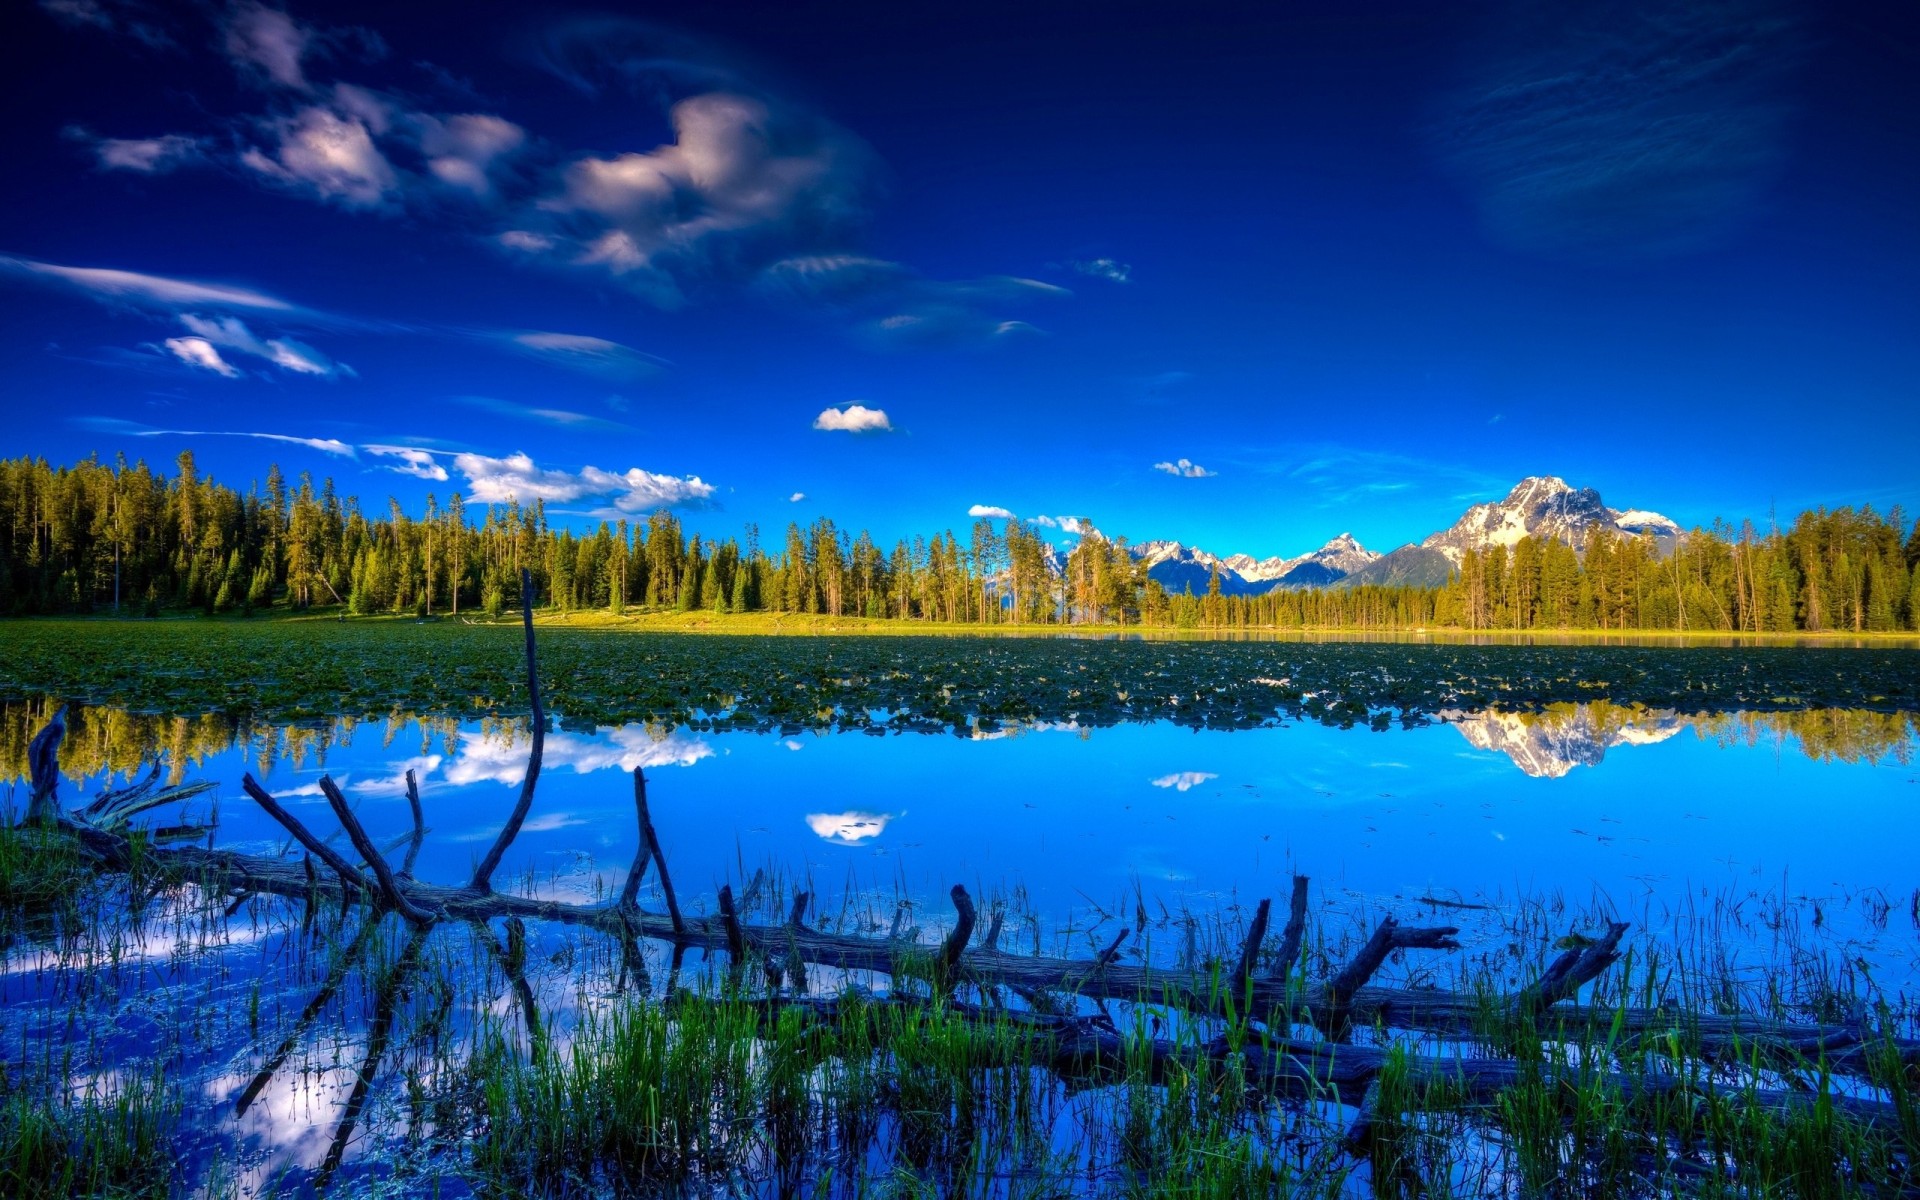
(1773, 844)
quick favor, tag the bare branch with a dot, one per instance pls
(652, 841)
(314, 846)
(419, 826)
(1387, 937)
(1295, 932)
(389, 887)
(956, 943)
(1250, 952)
(1573, 970)
(483, 874)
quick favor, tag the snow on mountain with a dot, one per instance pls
(1180, 567)
(1543, 506)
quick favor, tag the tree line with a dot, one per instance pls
(98, 536)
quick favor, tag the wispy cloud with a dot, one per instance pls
(133, 287)
(130, 428)
(231, 333)
(853, 418)
(588, 355)
(268, 41)
(199, 352)
(1592, 131)
(889, 305)
(1341, 475)
(562, 417)
(421, 464)
(142, 156)
(991, 512)
(1185, 468)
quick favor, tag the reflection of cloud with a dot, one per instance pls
(1595, 129)
(1183, 780)
(848, 828)
(631, 746)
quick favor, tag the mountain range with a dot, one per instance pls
(1540, 506)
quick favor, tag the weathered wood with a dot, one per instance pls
(636, 874)
(962, 934)
(483, 874)
(419, 826)
(43, 770)
(1250, 952)
(1295, 932)
(1387, 937)
(797, 917)
(736, 944)
(1578, 966)
(313, 845)
(390, 889)
(653, 848)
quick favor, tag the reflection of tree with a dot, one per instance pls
(1553, 739)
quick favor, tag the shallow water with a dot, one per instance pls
(1780, 839)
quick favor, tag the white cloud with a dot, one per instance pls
(1077, 526)
(147, 156)
(416, 462)
(324, 445)
(461, 150)
(741, 175)
(848, 828)
(796, 498)
(854, 418)
(198, 352)
(231, 333)
(330, 155)
(590, 355)
(991, 511)
(517, 477)
(1184, 780)
(892, 306)
(1104, 268)
(134, 287)
(1186, 468)
(630, 747)
(268, 41)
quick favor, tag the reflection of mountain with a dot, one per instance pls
(1549, 744)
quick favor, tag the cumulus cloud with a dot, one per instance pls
(1076, 526)
(198, 352)
(743, 180)
(1108, 269)
(268, 42)
(588, 355)
(849, 828)
(231, 333)
(145, 156)
(517, 477)
(413, 461)
(853, 418)
(1184, 780)
(329, 155)
(992, 512)
(1184, 467)
(629, 747)
(132, 287)
(796, 498)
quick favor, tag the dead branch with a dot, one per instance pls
(314, 846)
(483, 874)
(962, 934)
(659, 856)
(382, 874)
(1295, 932)
(419, 827)
(736, 944)
(1387, 937)
(1578, 966)
(1250, 952)
(630, 894)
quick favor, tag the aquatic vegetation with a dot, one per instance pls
(299, 671)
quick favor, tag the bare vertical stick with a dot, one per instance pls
(1250, 953)
(630, 894)
(993, 928)
(1295, 932)
(797, 917)
(735, 945)
(653, 844)
(961, 935)
(483, 875)
(389, 887)
(419, 826)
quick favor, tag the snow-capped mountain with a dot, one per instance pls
(1178, 567)
(1543, 506)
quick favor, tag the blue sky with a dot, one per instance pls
(1241, 276)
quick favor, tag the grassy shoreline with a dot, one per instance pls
(759, 624)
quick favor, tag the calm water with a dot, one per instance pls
(1790, 834)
